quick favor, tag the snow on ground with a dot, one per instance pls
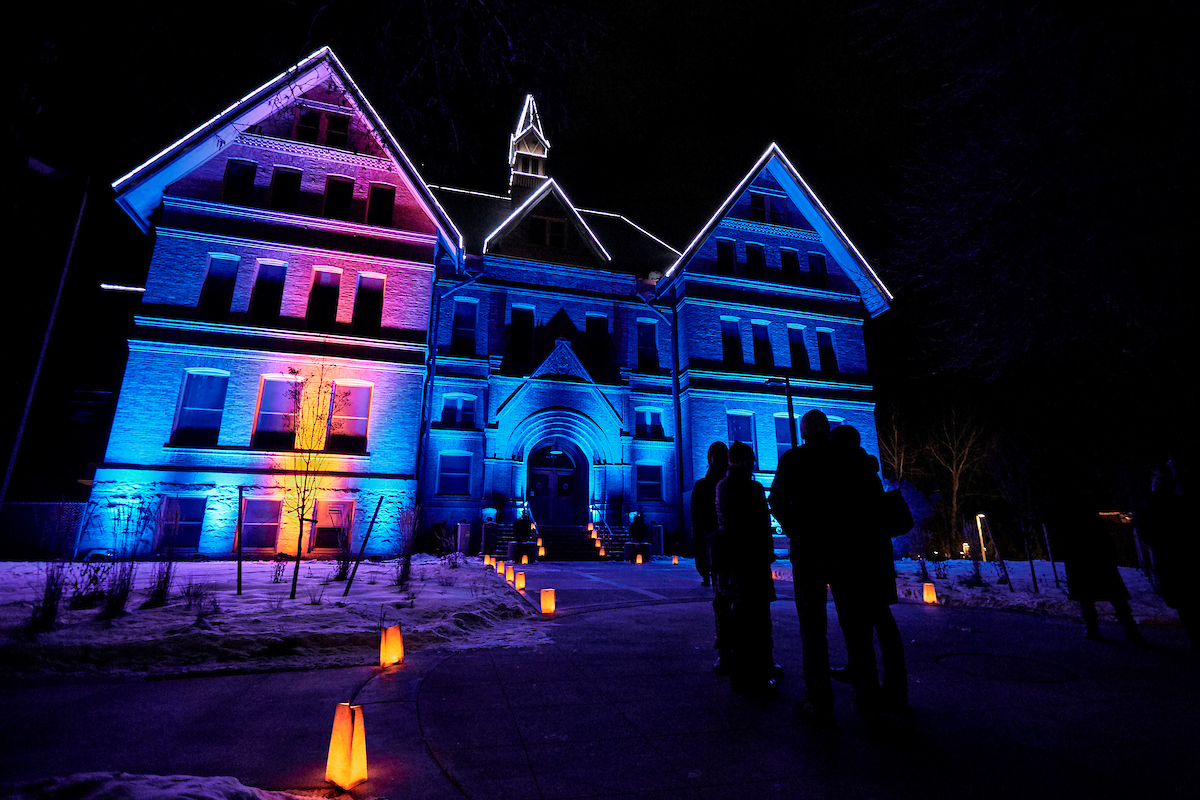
(123, 786)
(954, 587)
(261, 630)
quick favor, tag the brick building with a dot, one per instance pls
(323, 334)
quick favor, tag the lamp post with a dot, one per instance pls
(787, 391)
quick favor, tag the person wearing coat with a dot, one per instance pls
(864, 590)
(704, 526)
(1073, 520)
(742, 561)
(1163, 524)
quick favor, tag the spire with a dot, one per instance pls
(527, 151)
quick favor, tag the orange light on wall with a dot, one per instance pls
(675, 560)
(547, 596)
(509, 574)
(519, 582)
(541, 551)
(602, 552)
(638, 560)
(525, 558)
(347, 764)
(930, 595)
(391, 646)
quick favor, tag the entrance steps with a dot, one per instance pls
(567, 543)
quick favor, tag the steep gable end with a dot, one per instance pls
(314, 103)
(773, 202)
(547, 227)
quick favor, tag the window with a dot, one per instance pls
(462, 334)
(826, 352)
(198, 420)
(797, 349)
(381, 202)
(337, 130)
(649, 423)
(647, 345)
(454, 473)
(339, 194)
(321, 127)
(763, 357)
(818, 275)
(741, 427)
(323, 298)
(216, 295)
(260, 524)
(597, 343)
(285, 189)
(768, 209)
(520, 335)
(783, 434)
(274, 426)
(531, 165)
(349, 415)
(458, 411)
(548, 232)
(334, 521)
(267, 295)
(725, 257)
(183, 519)
(756, 264)
(368, 303)
(649, 482)
(731, 342)
(789, 261)
(239, 182)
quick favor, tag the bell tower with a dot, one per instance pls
(527, 152)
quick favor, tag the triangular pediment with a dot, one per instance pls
(561, 366)
(547, 227)
(319, 85)
(798, 211)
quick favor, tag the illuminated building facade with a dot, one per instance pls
(320, 324)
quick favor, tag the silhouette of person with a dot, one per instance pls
(704, 527)
(1073, 518)
(743, 554)
(704, 507)
(522, 527)
(1163, 525)
(864, 592)
(803, 499)
(638, 531)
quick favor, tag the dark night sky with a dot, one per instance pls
(1020, 177)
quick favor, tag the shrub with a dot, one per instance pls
(45, 613)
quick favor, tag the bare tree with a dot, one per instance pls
(956, 449)
(311, 403)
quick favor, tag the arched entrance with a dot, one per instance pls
(556, 483)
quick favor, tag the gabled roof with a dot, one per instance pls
(529, 121)
(140, 192)
(874, 294)
(547, 188)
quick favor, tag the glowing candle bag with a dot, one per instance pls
(347, 765)
(391, 646)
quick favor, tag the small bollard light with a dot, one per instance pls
(519, 582)
(930, 594)
(547, 596)
(347, 764)
(509, 574)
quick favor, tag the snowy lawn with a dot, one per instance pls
(206, 626)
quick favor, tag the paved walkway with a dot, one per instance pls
(624, 703)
